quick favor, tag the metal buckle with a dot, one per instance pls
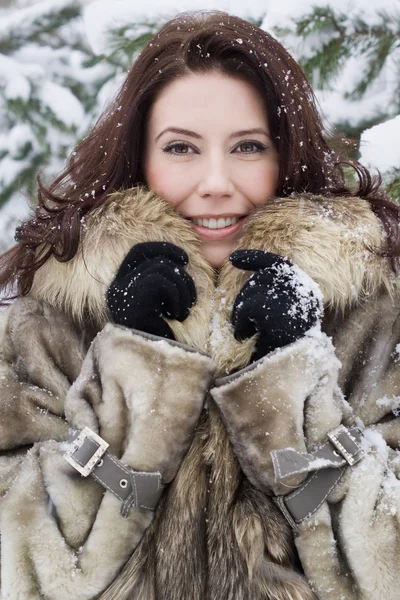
(77, 443)
(351, 458)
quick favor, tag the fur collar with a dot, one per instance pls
(79, 286)
(332, 239)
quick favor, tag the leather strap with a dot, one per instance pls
(89, 456)
(326, 467)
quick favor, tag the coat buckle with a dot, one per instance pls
(94, 449)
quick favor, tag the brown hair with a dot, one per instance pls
(109, 158)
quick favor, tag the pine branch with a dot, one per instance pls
(326, 63)
(127, 42)
(353, 131)
(339, 39)
(378, 42)
(382, 46)
(18, 33)
(25, 181)
(393, 186)
(327, 60)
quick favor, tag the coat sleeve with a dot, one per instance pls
(63, 536)
(290, 400)
(40, 356)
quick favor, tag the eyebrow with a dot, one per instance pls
(187, 132)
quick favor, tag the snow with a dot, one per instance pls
(21, 21)
(380, 145)
(392, 403)
(62, 102)
(307, 295)
(15, 210)
(373, 439)
(102, 17)
(17, 137)
(16, 77)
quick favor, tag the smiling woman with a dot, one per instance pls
(199, 376)
(216, 162)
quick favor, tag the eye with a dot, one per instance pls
(179, 148)
(249, 147)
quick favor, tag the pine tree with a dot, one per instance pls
(354, 61)
(53, 86)
(49, 82)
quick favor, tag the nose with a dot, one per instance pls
(216, 180)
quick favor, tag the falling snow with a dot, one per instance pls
(37, 66)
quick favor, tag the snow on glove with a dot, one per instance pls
(279, 301)
(151, 284)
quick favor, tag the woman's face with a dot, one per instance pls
(209, 153)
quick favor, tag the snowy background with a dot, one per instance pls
(62, 61)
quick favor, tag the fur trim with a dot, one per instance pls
(144, 397)
(331, 239)
(351, 549)
(227, 530)
(41, 354)
(134, 391)
(36, 561)
(264, 410)
(78, 287)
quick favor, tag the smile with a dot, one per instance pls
(219, 223)
(217, 228)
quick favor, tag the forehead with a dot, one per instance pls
(206, 100)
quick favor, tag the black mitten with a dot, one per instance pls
(151, 283)
(279, 301)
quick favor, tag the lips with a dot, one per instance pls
(216, 234)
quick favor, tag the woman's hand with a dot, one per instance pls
(151, 283)
(279, 301)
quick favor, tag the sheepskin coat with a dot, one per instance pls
(200, 413)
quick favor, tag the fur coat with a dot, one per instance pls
(198, 412)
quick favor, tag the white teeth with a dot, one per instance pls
(216, 223)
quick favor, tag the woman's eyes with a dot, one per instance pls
(178, 148)
(250, 147)
(183, 148)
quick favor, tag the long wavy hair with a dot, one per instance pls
(110, 157)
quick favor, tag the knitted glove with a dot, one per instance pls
(279, 301)
(151, 283)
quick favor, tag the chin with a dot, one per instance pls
(215, 258)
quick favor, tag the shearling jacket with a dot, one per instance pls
(210, 422)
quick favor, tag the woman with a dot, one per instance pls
(214, 381)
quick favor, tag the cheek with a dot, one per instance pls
(166, 183)
(262, 184)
